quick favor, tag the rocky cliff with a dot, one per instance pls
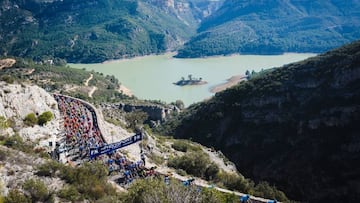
(154, 112)
(19, 100)
(294, 126)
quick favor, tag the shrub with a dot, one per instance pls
(8, 79)
(13, 141)
(70, 193)
(211, 171)
(3, 123)
(233, 181)
(45, 117)
(184, 146)
(30, 119)
(37, 190)
(135, 118)
(16, 196)
(16, 142)
(193, 163)
(158, 160)
(155, 190)
(90, 180)
(180, 145)
(181, 172)
(263, 189)
(48, 169)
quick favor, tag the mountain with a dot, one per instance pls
(273, 27)
(97, 30)
(296, 126)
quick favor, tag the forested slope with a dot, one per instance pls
(94, 30)
(296, 126)
(273, 27)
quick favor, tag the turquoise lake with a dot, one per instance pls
(152, 77)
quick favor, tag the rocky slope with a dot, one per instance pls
(17, 101)
(272, 27)
(295, 126)
(19, 164)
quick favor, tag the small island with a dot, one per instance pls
(190, 81)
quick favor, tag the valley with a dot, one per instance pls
(179, 101)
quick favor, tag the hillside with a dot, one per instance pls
(28, 174)
(273, 27)
(95, 31)
(296, 126)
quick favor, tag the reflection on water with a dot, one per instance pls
(152, 77)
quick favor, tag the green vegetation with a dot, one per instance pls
(37, 190)
(70, 193)
(158, 160)
(45, 117)
(135, 118)
(30, 119)
(90, 32)
(4, 123)
(287, 125)
(16, 142)
(54, 78)
(195, 163)
(155, 190)
(88, 181)
(15, 196)
(8, 79)
(184, 146)
(34, 191)
(236, 28)
(198, 164)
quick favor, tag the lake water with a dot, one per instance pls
(152, 77)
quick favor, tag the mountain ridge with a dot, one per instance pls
(260, 27)
(95, 31)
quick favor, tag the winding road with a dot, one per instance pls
(198, 182)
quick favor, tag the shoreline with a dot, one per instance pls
(171, 54)
(126, 91)
(233, 80)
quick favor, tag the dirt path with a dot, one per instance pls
(94, 88)
(88, 80)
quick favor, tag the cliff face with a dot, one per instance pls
(296, 126)
(155, 112)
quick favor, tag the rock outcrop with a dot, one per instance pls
(19, 100)
(155, 112)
